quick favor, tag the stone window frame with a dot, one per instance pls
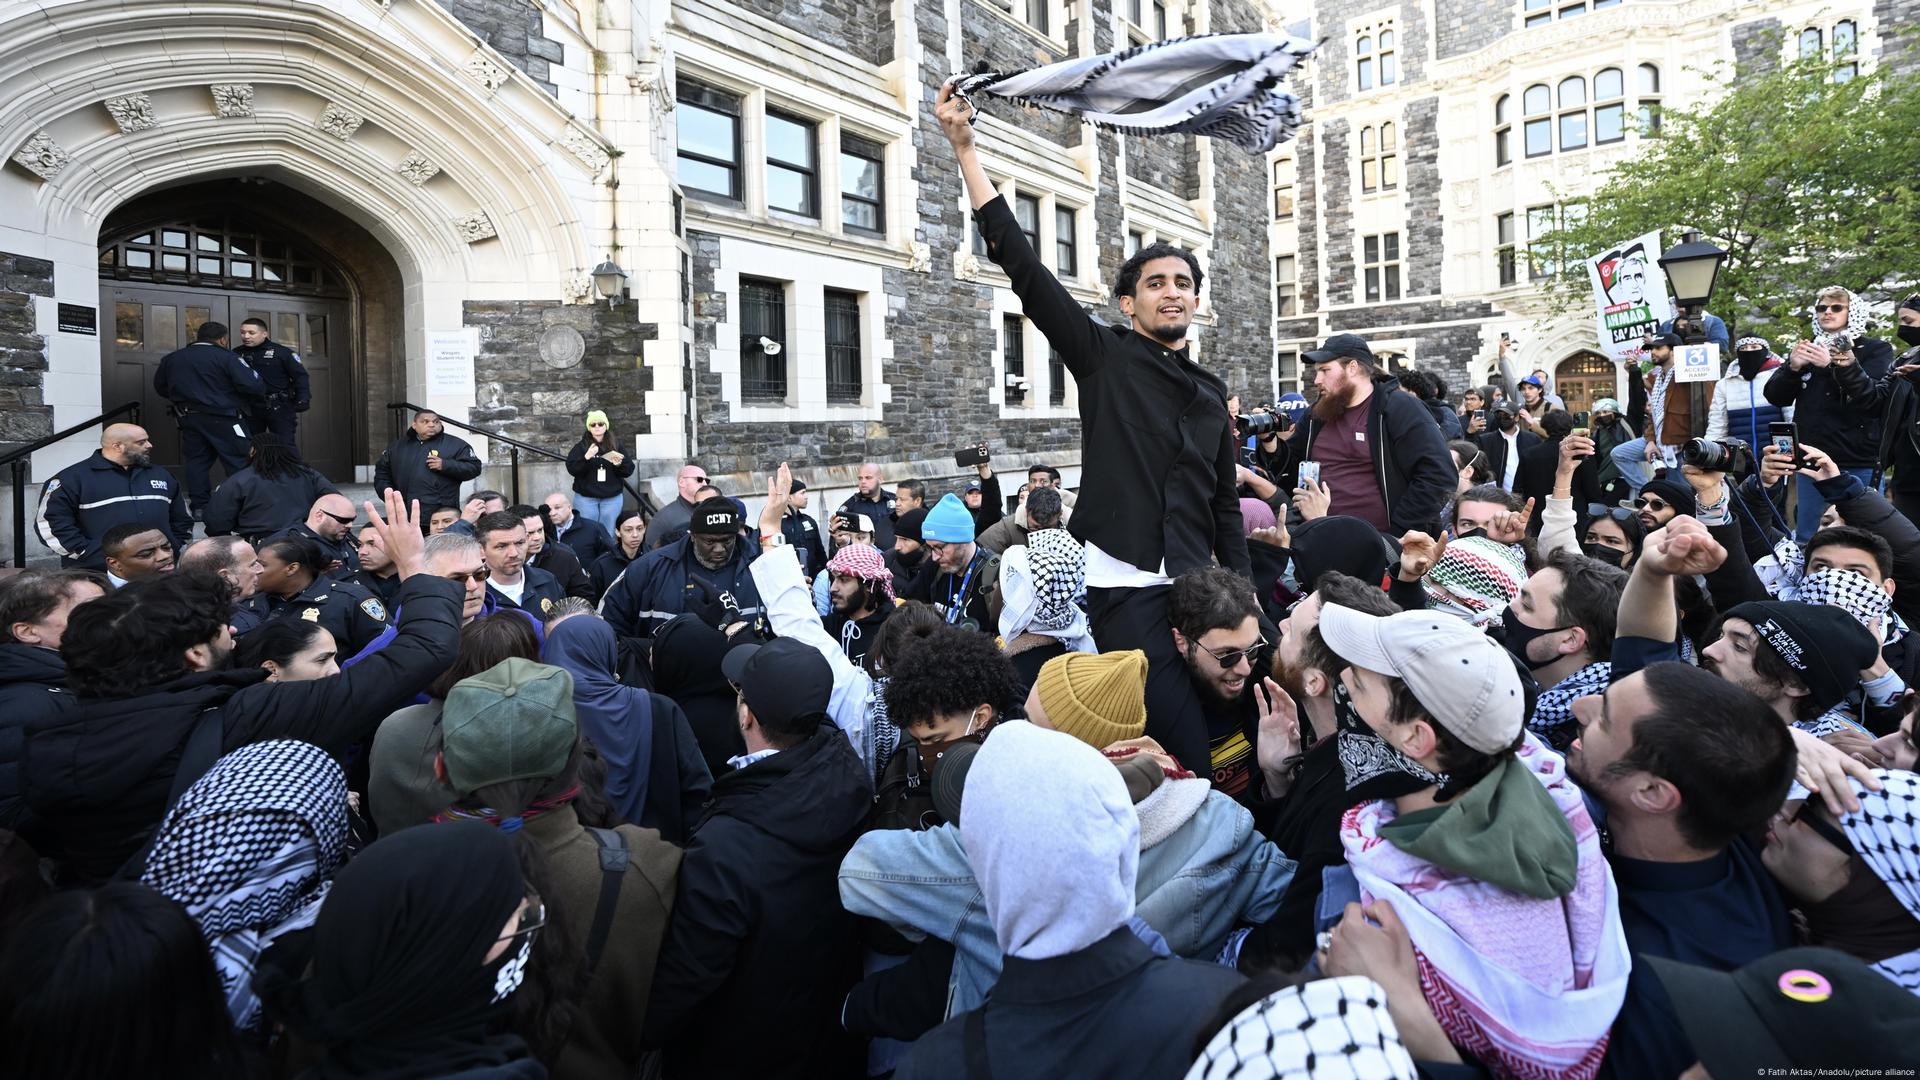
(1503, 131)
(1826, 43)
(1376, 55)
(689, 88)
(1505, 250)
(1050, 27)
(1543, 12)
(1160, 20)
(1287, 376)
(1286, 178)
(1286, 286)
(1542, 218)
(1066, 252)
(855, 145)
(1378, 271)
(1379, 157)
(836, 391)
(1040, 397)
(1044, 237)
(1647, 101)
(1547, 105)
(1011, 179)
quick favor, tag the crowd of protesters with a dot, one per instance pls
(1352, 737)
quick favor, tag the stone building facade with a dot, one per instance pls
(415, 194)
(1443, 134)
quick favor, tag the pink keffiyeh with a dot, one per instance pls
(1530, 987)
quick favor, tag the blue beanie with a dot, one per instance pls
(949, 522)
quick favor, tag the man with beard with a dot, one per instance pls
(1561, 628)
(1304, 797)
(862, 594)
(965, 588)
(1504, 445)
(704, 571)
(1664, 498)
(1382, 458)
(116, 483)
(874, 500)
(1221, 634)
(1669, 421)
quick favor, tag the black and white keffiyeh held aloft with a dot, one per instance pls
(1226, 86)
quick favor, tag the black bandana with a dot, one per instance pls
(1374, 768)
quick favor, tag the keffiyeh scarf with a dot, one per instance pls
(1553, 714)
(1886, 833)
(1657, 400)
(1039, 582)
(1856, 319)
(1530, 987)
(248, 852)
(1330, 1028)
(1781, 572)
(865, 562)
(1476, 578)
(1225, 86)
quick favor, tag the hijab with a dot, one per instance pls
(686, 667)
(399, 987)
(618, 718)
(248, 852)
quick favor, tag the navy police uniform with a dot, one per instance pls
(353, 615)
(284, 378)
(87, 498)
(343, 551)
(211, 390)
(541, 592)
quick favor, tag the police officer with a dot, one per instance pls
(329, 528)
(282, 376)
(291, 587)
(117, 483)
(211, 390)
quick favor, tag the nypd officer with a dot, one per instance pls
(282, 376)
(211, 390)
(292, 587)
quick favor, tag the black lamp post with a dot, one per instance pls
(1691, 268)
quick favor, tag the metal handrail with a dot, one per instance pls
(19, 459)
(646, 505)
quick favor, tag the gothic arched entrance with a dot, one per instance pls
(1583, 379)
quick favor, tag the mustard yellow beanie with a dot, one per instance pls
(1098, 698)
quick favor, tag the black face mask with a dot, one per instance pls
(1518, 635)
(1506, 421)
(1374, 769)
(1910, 334)
(1605, 554)
(1752, 361)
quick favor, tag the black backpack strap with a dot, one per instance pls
(613, 871)
(199, 755)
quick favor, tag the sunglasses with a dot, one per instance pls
(1825, 309)
(1644, 503)
(701, 480)
(461, 579)
(532, 918)
(1617, 513)
(1828, 831)
(1231, 658)
(348, 520)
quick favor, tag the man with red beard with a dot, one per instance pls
(1382, 457)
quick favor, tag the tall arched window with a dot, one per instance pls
(1649, 99)
(1389, 158)
(1573, 113)
(1503, 130)
(1363, 73)
(1810, 43)
(1609, 106)
(1845, 46)
(1537, 103)
(1389, 63)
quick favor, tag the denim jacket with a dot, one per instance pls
(1203, 870)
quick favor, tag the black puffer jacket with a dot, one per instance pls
(758, 929)
(255, 506)
(32, 681)
(404, 466)
(97, 775)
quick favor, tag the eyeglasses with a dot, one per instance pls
(461, 579)
(348, 520)
(701, 480)
(1825, 309)
(532, 918)
(1617, 513)
(1645, 503)
(1231, 658)
(1827, 830)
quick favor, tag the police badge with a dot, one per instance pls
(374, 608)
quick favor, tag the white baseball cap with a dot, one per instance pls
(1464, 679)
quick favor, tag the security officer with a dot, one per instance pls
(118, 483)
(329, 527)
(290, 587)
(283, 377)
(211, 390)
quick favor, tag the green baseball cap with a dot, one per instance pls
(513, 721)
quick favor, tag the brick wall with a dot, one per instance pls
(24, 414)
(519, 394)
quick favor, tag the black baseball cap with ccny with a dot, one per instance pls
(783, 679)
(1342, 347)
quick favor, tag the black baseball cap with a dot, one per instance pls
(782, 680)
(1343, 347)
(715, 516)
(1667, 339)
(1798, 1008)
(797, 487)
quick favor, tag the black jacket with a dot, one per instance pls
(98, 774)
(1494, 445)
(254, 506)
(1538, 468)
(386, 588)
(595, 477)
(1897, 400)
(757, 928)
(1448, 420)
(559, 561)
(1410, 459)
(880, 510)
(607, 570)
(1159, 448)
(205, 378)
(657, 586)
(87, 498)
(1112, 1009)
(404, 465)
(1835, 407)
(343, 551)
(350, 611)
(588, 539)
(803, 534)
(1305, 823)
(32, 686)
(281, 373)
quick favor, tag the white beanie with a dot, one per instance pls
(1053, 839)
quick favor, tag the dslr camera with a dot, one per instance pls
(1261, 423)
(1731, 456)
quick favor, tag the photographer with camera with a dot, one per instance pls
(1830, 383)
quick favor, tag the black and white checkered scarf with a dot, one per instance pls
(1886, 833)
(1226, 86)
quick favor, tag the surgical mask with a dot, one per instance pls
(1519, 635)
(1603, 553)
(1910, 334)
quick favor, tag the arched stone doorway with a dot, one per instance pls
(1582, 379)
(228, 250)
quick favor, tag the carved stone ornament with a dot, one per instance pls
(133, 112)
(417, 169)
(1465, 194)
(41, 156)
(562, 347)
(587, 149)
(473, 226)
(577, 287)
(339, 122)
(919, 257)
(970, 268)
(232, 99)
(486, 72)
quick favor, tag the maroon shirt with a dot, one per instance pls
(1346, 466)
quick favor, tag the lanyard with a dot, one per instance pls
(954, 608)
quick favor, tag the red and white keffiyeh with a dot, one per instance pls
(1529, 986)
(865, 562)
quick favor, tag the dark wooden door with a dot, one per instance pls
(151, 321)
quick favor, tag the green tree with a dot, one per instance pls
(1804, 175)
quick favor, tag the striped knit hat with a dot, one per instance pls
(1476, 578)
(1100, 699)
